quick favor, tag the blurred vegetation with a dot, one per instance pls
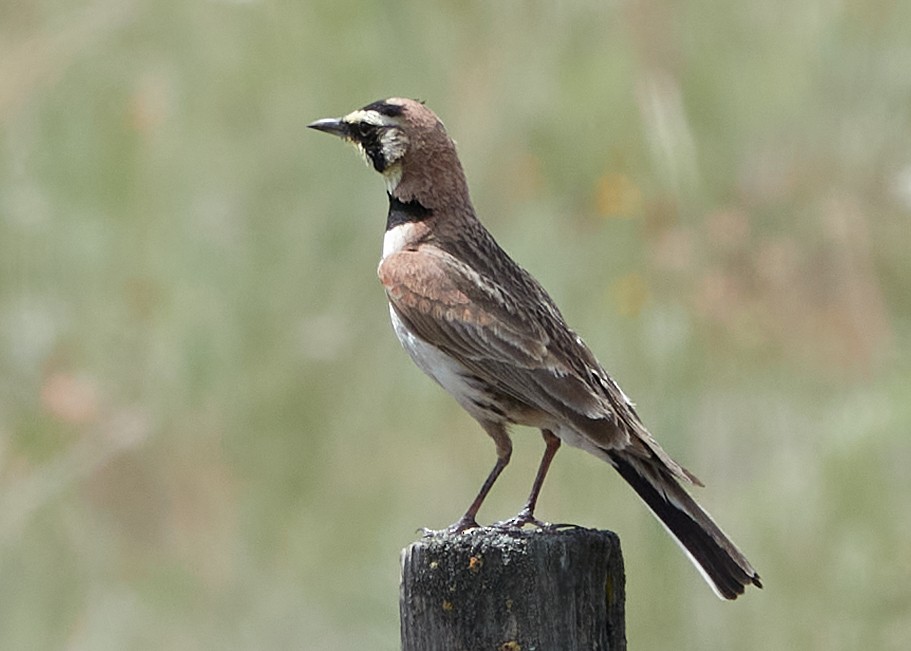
(209, 438)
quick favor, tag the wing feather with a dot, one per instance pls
(529, 355)
(448, 304)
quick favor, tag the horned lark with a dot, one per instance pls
(488, 333)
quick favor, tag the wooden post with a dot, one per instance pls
(487, 589)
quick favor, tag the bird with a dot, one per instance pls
(486, 331)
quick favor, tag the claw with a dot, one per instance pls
(464, 524)
(521, 519)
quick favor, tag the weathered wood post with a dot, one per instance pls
(487, 589)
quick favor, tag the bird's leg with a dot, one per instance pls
(504, 451)
(468, 520)
(527, 514)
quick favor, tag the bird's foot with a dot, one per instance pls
(463, 524)
(522, 518)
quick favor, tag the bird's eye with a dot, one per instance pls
(361, 131)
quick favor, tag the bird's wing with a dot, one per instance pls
(448, 304)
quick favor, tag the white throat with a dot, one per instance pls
(392, 176)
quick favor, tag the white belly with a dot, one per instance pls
(446, 371)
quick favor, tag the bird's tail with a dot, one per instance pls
(719, 561)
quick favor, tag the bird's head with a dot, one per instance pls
(404, 141)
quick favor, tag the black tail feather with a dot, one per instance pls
(722, 564)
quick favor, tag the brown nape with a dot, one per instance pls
(431, 171)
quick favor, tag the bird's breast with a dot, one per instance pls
(398, 237)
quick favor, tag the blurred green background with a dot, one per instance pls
(209, 437)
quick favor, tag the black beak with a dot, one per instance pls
(331, 125)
